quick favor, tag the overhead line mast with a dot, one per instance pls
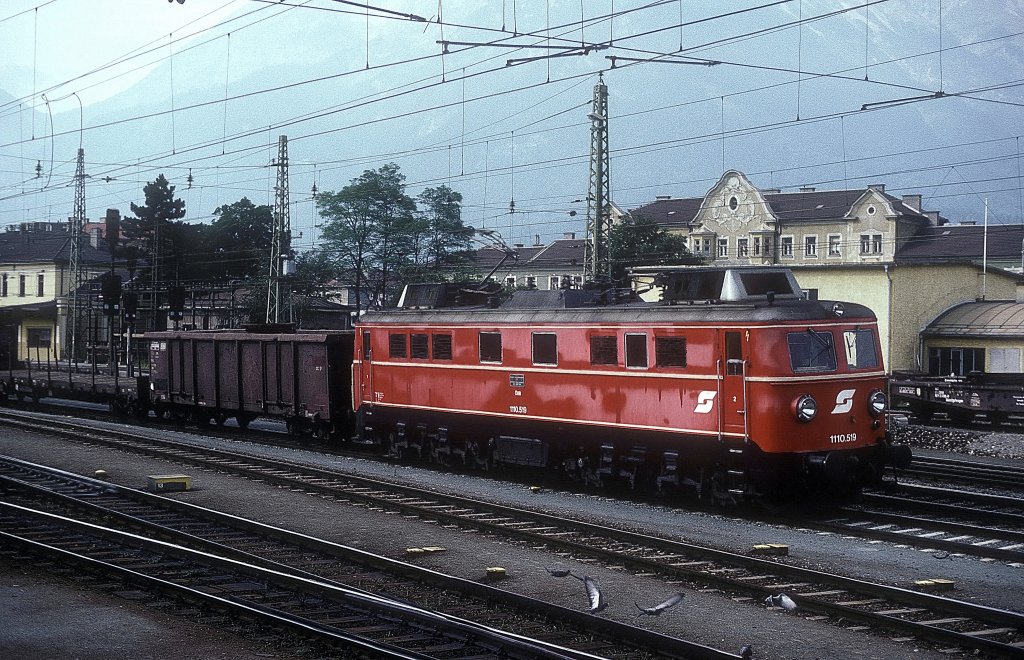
(77, 219)
(279, 308)
(597, 266)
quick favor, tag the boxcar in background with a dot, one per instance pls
(304, 378)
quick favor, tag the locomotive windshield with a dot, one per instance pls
(811, 351)
(860, 348)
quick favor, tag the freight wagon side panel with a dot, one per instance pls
(226, 368)
(254, 386)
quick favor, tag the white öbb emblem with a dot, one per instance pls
(844, 402)
(705, 401)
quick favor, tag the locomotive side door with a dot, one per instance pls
(732, 375)
(366, 372)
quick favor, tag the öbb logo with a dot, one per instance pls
(705, 402)
(844, 402)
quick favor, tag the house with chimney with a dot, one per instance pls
(908, 264)
(36, 283)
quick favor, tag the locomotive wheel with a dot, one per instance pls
(715, 490)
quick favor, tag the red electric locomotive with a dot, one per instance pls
(733, 384)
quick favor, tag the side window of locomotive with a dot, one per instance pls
(670, 351)
(811, 350)
(545, 348)
(397, 345)
(604, 350)
(636, 351)
(733, 354)
(418, 346)
(366, 346)
(442, 347)
(490, 347)
(860, 348)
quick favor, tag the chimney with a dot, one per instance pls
(94, 238)
(880, 187)
(913, 201)
(771, 191)
(536, 240)
(661, 198)
(569, 236)
(933, 218)
(806, 188)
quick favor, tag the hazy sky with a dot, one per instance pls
(206, 87)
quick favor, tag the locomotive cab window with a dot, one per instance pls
(636, 351)
(670, 351)
(418, 346)
(490, 347)
(860, 349)
(811, 350)
(397, 345)
(545, 348)
(366, 346)
(442, 347)
(604, 350)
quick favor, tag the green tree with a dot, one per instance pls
(239, 240)
(150, 233)
(371, 228)
(444, 241)
(641, 242)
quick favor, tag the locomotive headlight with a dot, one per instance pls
(877, 402)
(805, 407)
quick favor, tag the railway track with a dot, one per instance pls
(72, 511)
(886, 609)
(933, 468)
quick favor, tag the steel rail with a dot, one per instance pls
(285, 473)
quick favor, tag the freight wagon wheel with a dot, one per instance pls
(243, 421)
(219, 418)
(997, 418)
(923, 413)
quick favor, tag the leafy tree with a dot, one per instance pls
(240, 239)
(370, 227)
(151, 234)
(641, 242)
(445, 242)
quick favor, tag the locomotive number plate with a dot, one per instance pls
(842, 437)
(517, 380)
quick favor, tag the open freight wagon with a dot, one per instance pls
(303, 378)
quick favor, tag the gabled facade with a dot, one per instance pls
(736, 223)
(35, 282)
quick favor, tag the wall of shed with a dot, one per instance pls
(978, 342)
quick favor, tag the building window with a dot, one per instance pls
(955, 361)
(787, 246)
(545, 348)
(490, 347)
(723, 247)
(810, 246)
(705, 247)
(39, 337)
(636, 351)
(554, 282)
(741, 247)
(670, 351)
(510, 280)
(40, 285)
(21, 285)
(734, 203)
(871, 244)
(397, 345)
(604, 349)
(757, 246)
(531, 282)
(3, 285)
(834, 245)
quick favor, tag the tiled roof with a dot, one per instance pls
(42, 247)
(963, 242)
(809, 206)
(563, 252)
